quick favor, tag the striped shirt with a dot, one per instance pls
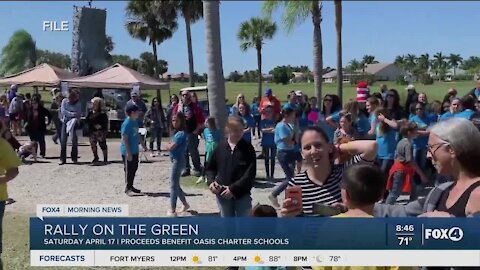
(328, 193)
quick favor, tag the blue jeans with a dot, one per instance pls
(398, 180)
(385, 166)
(2, 212)
(287, 162)
(175, 189)
(63, 142)
(269, 154)
(241, 207)
(156, 135)
(192, 151)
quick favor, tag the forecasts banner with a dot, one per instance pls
(253, 234)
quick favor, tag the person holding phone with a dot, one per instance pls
(232, 170)
(320, 183)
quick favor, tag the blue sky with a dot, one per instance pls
(383, 29)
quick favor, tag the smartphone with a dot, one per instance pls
(323, 210)
(294, 193)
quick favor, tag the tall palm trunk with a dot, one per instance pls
(317, 50)
(155, 58)
(190, 50)
(259, 64)
(338, 26)
(216, 80)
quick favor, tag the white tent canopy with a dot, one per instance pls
(41, 75)
(117, 77)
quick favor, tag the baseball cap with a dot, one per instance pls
(410, 87)
(131, 108)
(298, 93)
(268, 92)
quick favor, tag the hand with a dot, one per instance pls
(342, 207)
(381, 117)
(371, 132)
(290, 208)
(214, 187)
(227, 194)
(129, 157)
(436, 214)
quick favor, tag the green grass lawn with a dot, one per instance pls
(435, 91)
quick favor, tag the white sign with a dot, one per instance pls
(55, 26)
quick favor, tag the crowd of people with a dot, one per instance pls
(350, 161)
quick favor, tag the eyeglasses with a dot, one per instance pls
(436, 146)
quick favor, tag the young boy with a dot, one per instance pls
(363, 185)
(404, 167)
(129, 148)
(9, 163)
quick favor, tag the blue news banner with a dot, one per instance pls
(253, 233)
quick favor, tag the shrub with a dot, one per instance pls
(370, 79)
(426, 79)
(401, 80)
(464, 77)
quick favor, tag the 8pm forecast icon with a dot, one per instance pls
(454, 234)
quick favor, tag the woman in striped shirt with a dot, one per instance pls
(320, 183)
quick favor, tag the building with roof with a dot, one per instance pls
(383, 71)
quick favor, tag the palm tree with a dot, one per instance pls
(440, 65)
(423, 62)
(252, 33)
(410, 62)
(191, 11)
(297, 12)
(454, 60)
(367, 60)
(400, 61)
(151, 20)
(354, 65)
(338, 27)
(216, 80)
(20, 53)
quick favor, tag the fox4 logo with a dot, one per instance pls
(454, 234)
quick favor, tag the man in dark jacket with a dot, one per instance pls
(475, 92)
(232, 170)
(195, 122)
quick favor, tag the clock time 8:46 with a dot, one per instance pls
(404, 228)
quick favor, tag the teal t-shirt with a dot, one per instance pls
(282, 131)
(130, 128)
(180, 139)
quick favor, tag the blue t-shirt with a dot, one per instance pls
(422, 123)
(336, 117)
(255, 109)
(467, 114)
(329, 130)
(268, 139)
(212, 136)
(249, 122)
(130, 128)
(282, 131)
(362, 125)
(180, 139)
(446, 116)
(387, 143)
(477, 92)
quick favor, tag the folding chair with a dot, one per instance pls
(143, 134)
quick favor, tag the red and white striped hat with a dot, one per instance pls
(363, 91)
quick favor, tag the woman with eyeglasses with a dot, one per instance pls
(331, 105)
(35, 123)
(424, 122)
(453, 149)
